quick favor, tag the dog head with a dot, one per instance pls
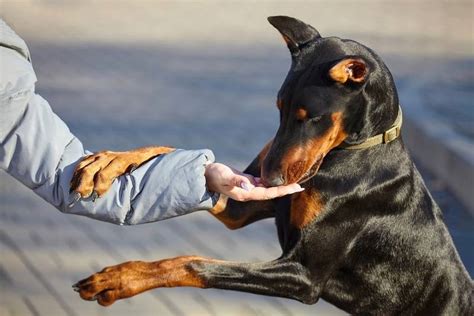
(336, 91)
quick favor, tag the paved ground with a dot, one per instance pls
(192, 76)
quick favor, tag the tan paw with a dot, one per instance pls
(95, 173)
(116, 282)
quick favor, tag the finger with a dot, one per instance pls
(242, 181)
(238, 194)
(261, 193)
(246, 186)
(274, 192)
(238, 179)
(251, 178)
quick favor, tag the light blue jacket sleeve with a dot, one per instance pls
(37, 148)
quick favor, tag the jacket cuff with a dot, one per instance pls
(170, 185)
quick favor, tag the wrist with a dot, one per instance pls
(207, 175)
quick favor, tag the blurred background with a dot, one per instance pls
(205, 74)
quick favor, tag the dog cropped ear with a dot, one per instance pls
(349, 69)
(295, 32)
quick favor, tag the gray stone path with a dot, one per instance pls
(123, 77)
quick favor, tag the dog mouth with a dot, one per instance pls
(313, 170)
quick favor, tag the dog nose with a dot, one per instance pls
(274, 181)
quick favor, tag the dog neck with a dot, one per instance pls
(383, 138)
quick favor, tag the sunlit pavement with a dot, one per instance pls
(118, 90)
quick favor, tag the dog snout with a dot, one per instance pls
(274, 180)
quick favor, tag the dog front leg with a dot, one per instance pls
(281, 277)
(235, 215)
(95, 173)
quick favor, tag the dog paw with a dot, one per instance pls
(116, 282)
(95, 173)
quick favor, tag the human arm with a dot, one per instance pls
(37, 148)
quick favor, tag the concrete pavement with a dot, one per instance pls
(191, 75)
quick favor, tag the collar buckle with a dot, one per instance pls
(391, 134)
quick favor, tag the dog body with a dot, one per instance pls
(369, 252)
(365, 234)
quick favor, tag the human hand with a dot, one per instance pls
(243, 187)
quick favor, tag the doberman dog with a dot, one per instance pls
(365, 235)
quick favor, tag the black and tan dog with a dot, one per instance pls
(365, 234)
